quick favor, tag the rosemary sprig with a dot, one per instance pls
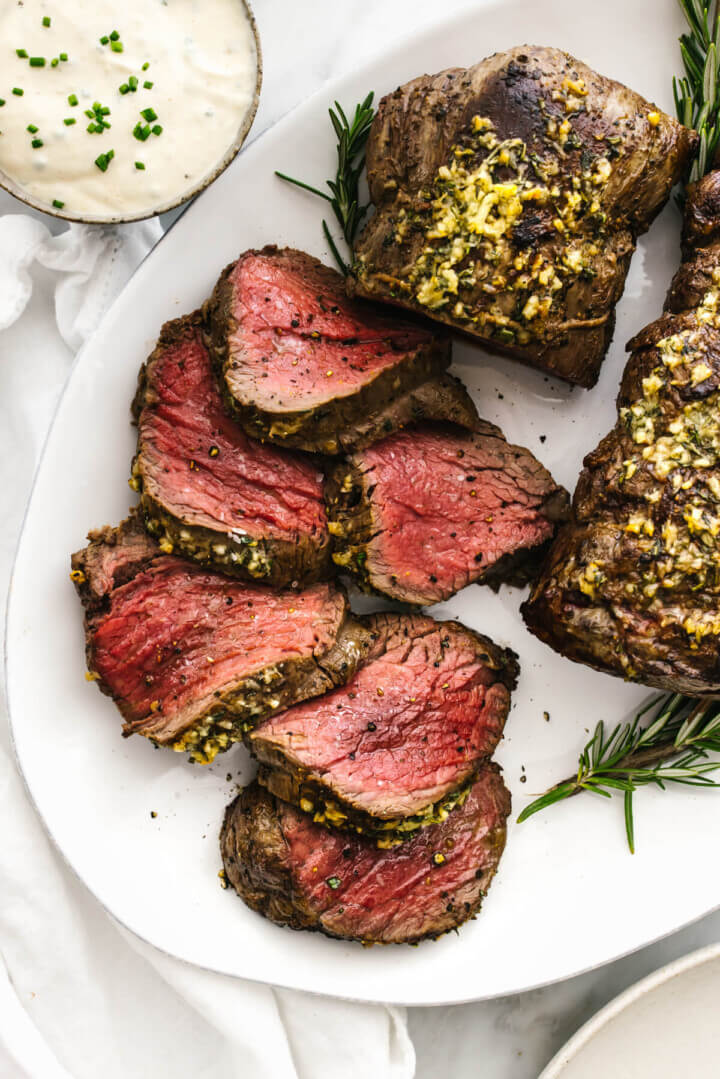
(697, 93)
(344, 189)
(673, 747)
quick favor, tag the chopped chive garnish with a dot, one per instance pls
(36, 144)
(139, 165)
(133, 83)
(22, 53)
(32, 128)
(114, 36)
(46, 20)
(103, 41)
(148, 114)
(105, 110)
(96, 106)
(69, 120)
(103, 160)
(148, 85)
(2, 102)
(63, 56)
(141, 131)
(116, 46)
(90, 113)
(37, 61)
(17, 91)
(58, 204)
(72, 100)
(91, 129)
(146, 65)
(54, 62)
(110, 155)
(124, 89)
(157, 129)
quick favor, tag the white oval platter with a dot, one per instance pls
(568, 896)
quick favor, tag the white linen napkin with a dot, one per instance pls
(80, 997)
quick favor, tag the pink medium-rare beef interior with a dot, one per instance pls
(200, 464)
(420, 887)
(299, 340)
(448, 506)
(176, 635)
(412, 725)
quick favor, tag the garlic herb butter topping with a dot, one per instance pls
(119, 110)
(470, 214)
(678, 451)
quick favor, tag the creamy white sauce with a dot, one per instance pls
(203, 66)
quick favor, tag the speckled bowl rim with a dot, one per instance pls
(569, 1053)
(18, 192)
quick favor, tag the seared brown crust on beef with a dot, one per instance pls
(423, 513)
(631, 585)
(398, 746)
(194, 658)
(538, 278)
(304, 367)
(210, 493)
(112, 557)
(298, 874)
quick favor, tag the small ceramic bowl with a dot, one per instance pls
(663, 1027)
(219, 167)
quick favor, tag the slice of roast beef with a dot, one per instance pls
(301, 875)
(425, 512)
(631, 586)
(194, 658)
(207, 490)
(509, 197)
(305, 367)
(399, 745)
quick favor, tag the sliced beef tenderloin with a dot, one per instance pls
(425, 512)
(397, 747)
(301, 875)
(305, 367)
(194, 658)
(207, 490)
(631, 585)
(509, 196)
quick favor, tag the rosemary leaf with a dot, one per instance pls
(673, 747)
(344, 189)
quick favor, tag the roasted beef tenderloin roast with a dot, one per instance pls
(303, 366)
(509, 196)
(398, 747)
(302, 875)
(632, 584)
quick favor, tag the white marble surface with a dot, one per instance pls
(305, 44)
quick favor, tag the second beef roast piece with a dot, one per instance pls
(305, 367)
(425, 512)
(299, 874)
(509, 197)
(194, 658)
(399, 745)
(632, 584)
(207, 490)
